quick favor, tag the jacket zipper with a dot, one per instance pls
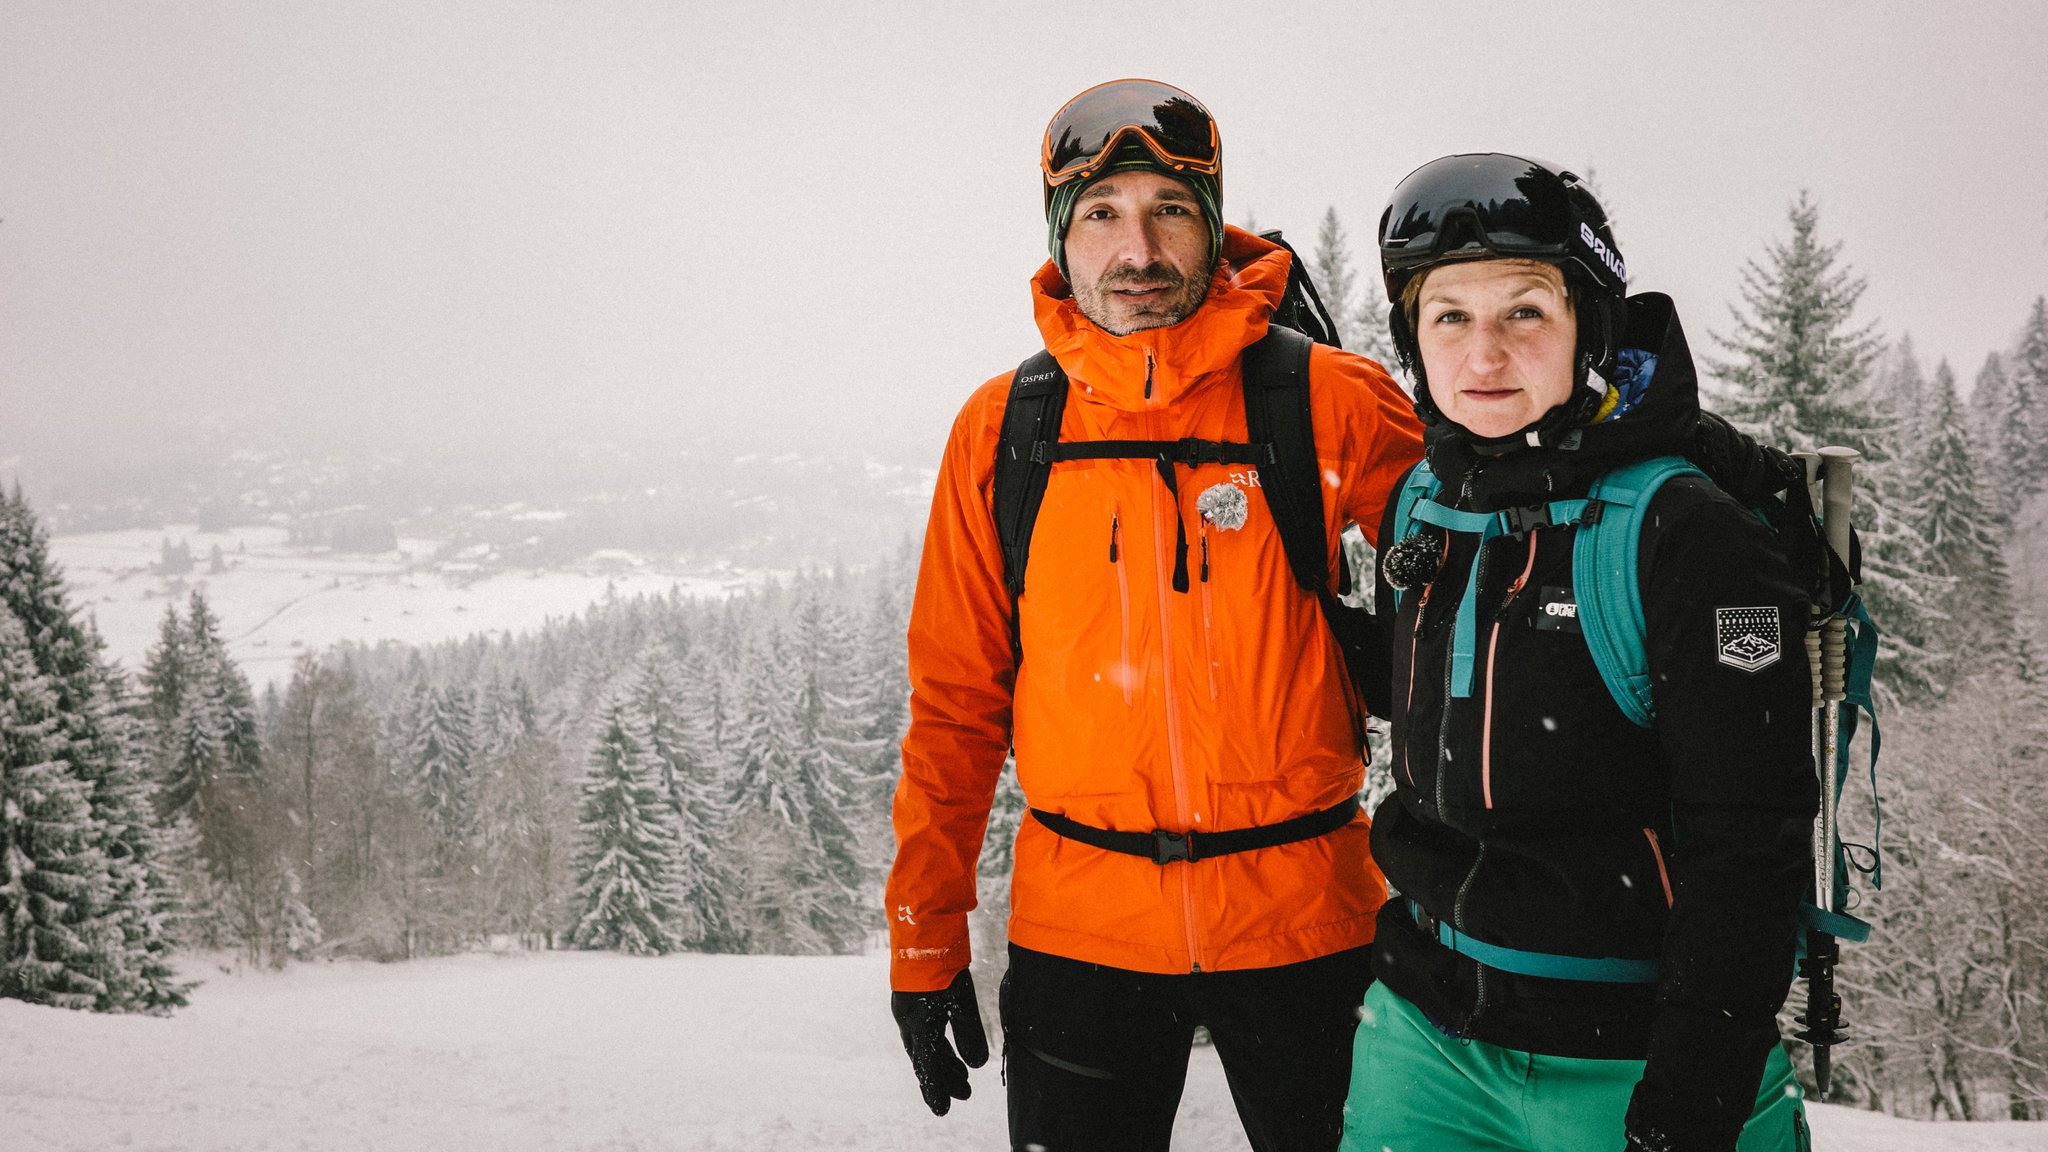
(1208, 617)
(1125, 672)
(1162, 553)
(1657, 854)
(1492, 644)
(1458, 925)
(1443, 719)
(1443, 756)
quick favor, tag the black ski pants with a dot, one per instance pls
(1096, 1057)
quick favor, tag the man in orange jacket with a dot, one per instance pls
(1137, 699)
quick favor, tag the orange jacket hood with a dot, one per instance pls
(1243, 292)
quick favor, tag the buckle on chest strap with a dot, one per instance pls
(1527, 517)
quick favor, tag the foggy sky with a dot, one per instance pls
(812, 225)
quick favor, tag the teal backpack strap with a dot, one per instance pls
(1420, 485)
(1465, 633)
(1605, 577)
(1604, 570)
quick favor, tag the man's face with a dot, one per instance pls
(1138, 252)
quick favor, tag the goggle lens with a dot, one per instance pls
(1173, 124)
(1502, 204)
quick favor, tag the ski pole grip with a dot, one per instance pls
(1809, 462)
(1837, 480)
(1837, 477)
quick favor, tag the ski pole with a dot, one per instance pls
(1823, 1018)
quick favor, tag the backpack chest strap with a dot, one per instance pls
(1189, 450)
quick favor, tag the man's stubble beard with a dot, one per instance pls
(1184, 295)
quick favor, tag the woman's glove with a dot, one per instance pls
(1739, 465)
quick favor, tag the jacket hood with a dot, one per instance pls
(1659, 409)
(1245, 288)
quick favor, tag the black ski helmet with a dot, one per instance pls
(1493, 206)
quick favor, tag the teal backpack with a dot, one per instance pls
(1610, 614)
(1604, 565)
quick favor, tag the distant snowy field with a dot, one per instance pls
(565, 1052)
(276, 599)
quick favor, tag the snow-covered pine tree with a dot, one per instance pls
(99, 741)
(2024, 425)
(762, 745)
(832, 894)
(203, 718)
(1331, 269)
(1990, 402)
(1795, 371)
(1904, 386)
(626, 853)
(1965, 531)
(442, 761)
(882, 685)
(1356, 302)
(1797, 376)
(215, 672)
(164, 675)
(692, 781)
(54, 881)
(148, 895)
(769, 806)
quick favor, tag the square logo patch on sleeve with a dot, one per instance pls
(1750, 638)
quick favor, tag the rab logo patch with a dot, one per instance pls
(1749, 637)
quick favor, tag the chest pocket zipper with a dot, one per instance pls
(1208, 618)
(1124, 672)
(1492, 654)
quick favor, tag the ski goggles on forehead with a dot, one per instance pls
(1490, 205)
(1170, 123)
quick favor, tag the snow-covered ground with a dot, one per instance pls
(565, 1052)
(276, 599)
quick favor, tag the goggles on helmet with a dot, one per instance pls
(1476, 207)
(1167, 121)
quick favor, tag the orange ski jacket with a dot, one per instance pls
(1136, 707)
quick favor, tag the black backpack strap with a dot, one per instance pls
(1276, 412)
(1190, 450)
(1031, 424)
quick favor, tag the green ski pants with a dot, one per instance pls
(1413, 1089)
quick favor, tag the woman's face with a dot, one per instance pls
(1496, 338)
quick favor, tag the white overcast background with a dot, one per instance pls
(385, 223)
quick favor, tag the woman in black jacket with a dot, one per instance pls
(1595, 916)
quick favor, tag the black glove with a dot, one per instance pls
(922, 1018)
(1738, 465)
